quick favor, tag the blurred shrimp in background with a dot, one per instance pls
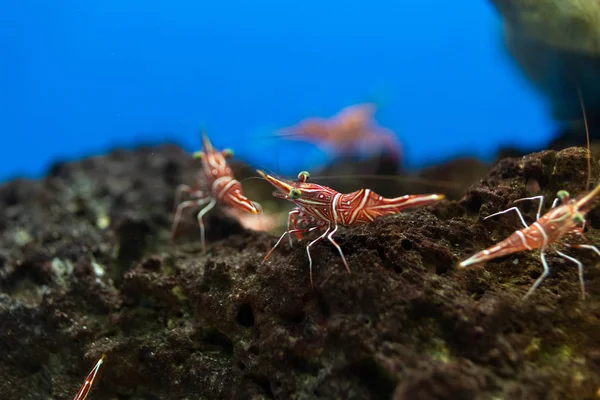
(265, 222)
(162, 67)
(350, 133)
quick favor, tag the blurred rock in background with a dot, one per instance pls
(556, 44)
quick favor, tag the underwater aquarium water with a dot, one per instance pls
(150, 272)
(82, 77)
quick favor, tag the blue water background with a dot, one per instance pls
(80, 77)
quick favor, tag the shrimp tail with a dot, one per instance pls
(510, 245)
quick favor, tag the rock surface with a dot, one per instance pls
(567, 25)
(86, 268)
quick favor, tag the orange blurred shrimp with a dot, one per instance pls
(352, 130)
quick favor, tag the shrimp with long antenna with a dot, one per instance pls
(215, 184)
(85, 388)
(324, 209)
(548, 229)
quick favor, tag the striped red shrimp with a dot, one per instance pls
(215, 184)
(548, 229)
(321, 208)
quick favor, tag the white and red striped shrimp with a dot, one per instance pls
(322, 208)
(85, 388)
(547, 230)
(215, 184)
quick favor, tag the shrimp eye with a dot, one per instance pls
(227, 153)
(563, 195)
(295, 194)
(578, 218)
(198, 155)
(303, 176)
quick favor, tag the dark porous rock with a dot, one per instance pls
(87, 267)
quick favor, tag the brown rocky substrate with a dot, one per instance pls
(86, 268)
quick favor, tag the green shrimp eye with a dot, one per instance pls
(303, 176)
(227, 153)
(295, 193)
(578, 218)
(198, 155)
(563, 195)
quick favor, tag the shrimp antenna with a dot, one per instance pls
(84, 390)
(277, 161)
(398, 178)
(587, 136)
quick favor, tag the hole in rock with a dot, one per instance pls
(245, 316)
(218, 339)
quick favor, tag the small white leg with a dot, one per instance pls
(330, 237)
(542, 277)
(588, 246)
(540, 198)
(180, 208)
(507, 210)
(580, 268)
(555, 202)
(201, 214)
(276, 244)
(309, 257)
(293, 212)
(181, 189)
(283, 235)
